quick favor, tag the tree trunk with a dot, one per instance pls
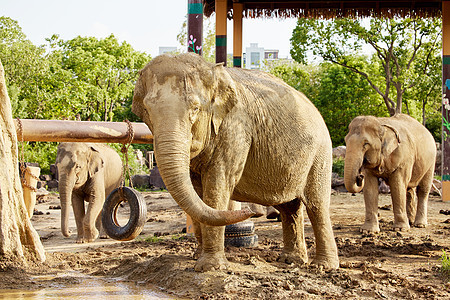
(19, 241)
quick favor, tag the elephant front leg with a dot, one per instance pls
(423, 191)
(371, 205)
(212, 256)
(294, 249)
(79, 214)
(96, 200)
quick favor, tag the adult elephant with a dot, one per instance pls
(402, 152)
(228, 133)
(87, 172)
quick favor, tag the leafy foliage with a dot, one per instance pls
(338, 93)
(445, 264)
(406, 54)
(84, 78)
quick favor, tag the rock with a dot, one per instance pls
(52, 184)
(339, 152)
(45, 177)
(41, 184)
(142, 181)
(155, 179)
(54, 171)
(436, 188)
(383, 187)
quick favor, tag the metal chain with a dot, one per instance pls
(23, 166)
(124, 150)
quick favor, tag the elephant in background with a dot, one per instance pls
(402, 152)
(224, 134)
(87, 172)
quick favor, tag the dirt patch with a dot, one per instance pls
(393, 265)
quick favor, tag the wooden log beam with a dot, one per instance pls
(81, 131)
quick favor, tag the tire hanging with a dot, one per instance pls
(138, 207)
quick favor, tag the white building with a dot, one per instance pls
(254, 56)
(163, 50)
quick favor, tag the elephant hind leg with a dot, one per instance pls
(411, 204)
(423, 190)
(293, 232)
(317, 202)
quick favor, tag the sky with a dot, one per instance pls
(145, 24)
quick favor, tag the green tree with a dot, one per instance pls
(102, 74)
(344, 95)
(25, 68)
(338, 93)
(399, 46)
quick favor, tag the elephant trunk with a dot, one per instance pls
(353, 178)
(65, 195)
(172, 152)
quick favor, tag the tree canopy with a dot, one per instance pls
(403, 55)
(85, 78)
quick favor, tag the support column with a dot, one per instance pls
(195, 26)
(446, 97)
(237, 34)
(221, 31)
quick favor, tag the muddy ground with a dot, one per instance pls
(392, 265)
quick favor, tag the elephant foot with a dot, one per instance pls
(401, 226)
(80, 240)
(420, 225)
(369, 228)
(211, 261)
(290, 258)
(91, 235)
(420, 222)
(326, 262)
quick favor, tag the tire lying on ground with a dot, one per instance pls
(138, 214)
(240, 229)
(241, 234)
(242, 241)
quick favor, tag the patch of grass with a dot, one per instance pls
(445, 264)
(338, 166)
(150, 239)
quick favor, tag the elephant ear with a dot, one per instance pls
(95, 161)
(390, 143)
(224, 96)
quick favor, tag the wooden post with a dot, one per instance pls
(221, 31)
(80, 131)
(195, 26)
(446, 97)
(237, 34)
(31, 177)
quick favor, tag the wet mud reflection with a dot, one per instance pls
(87, 287)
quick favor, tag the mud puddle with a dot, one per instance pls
(80, 286)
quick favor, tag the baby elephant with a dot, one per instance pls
(86, 173)
(402, 152)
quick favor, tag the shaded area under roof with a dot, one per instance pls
(332, 9)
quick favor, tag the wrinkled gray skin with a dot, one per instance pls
(87, 173)
(221, 134)
(402, 152)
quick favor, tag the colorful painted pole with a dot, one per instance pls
(445, 100)
(195, 26)
(221, 31)
(237, 34)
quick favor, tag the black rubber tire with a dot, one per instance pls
(243, 228)
(242, 241)
(138, 214)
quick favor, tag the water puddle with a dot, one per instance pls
(86, 288)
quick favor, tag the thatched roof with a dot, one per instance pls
(331, 9)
